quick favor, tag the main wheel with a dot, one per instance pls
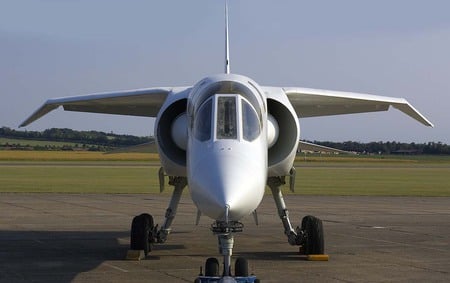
(141, 227)
(241, 267)
(314, 240)
(212, 267)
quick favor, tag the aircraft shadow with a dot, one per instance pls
(272, 256)
(59, 256)
(55, 256)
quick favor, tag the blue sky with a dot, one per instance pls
(55, 48)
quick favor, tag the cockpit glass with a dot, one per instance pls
(203, 122)
(250, 122)
(230, 87)
(226, 117)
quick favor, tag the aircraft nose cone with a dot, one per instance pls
(231, 182)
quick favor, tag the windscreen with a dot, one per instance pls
(226, 117)
(203, 122)
(251, 127)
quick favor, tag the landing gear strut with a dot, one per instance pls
(179, 184)
(143, 231)
(224, 231)
(309, 235)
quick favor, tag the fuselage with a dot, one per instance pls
(227, 146)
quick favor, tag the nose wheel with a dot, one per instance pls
(212, 267)
(241, 267)
(241, 273)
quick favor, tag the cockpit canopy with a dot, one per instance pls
(228, 110)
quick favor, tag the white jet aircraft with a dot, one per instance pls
(226, 138)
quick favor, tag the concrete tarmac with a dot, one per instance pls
(84, 238)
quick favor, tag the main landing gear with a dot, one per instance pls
(143, 231)
(309, 236)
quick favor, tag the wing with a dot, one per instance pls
(138, 102)
(316, 102)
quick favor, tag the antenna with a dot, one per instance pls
(227, 41)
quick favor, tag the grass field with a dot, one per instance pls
(91, 172)
(86, 178)
(374, 180)
(74, 156)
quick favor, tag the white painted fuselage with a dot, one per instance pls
(227, 146)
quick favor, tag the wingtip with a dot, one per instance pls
(411, 111)
(25, 123)
(425, 121)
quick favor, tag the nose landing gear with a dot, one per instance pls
(224, 231)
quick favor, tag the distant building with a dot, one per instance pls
(406, 152)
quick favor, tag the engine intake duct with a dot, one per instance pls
(288, 133)
(164, 135)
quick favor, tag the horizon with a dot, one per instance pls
(152, 136)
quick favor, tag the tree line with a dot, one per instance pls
(390, 147)
(95, 140)
(88, 140)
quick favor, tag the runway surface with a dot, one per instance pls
(84, 238)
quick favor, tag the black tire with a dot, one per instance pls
(141, 227)
(212, 267)
(241, 267)
(314, 239)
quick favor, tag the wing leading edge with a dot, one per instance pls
(138, 102)
(307, 102)
(317, 102)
